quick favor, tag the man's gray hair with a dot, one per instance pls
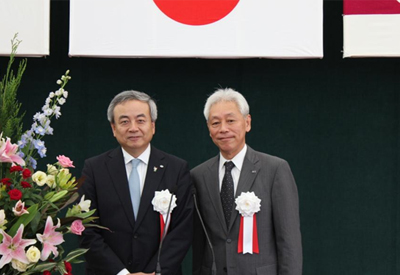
(227, 94)
(131, 95)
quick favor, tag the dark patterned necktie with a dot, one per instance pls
(227, 192)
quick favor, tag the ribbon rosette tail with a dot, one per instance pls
(161, 202)
(248, 204)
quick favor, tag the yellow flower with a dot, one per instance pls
(33, 254)
(39, 178)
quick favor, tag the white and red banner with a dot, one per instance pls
(248, 235)
(196, 28)
(371, 28)
(31, 20)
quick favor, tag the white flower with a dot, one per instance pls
(64, 170)
(19, 209)
(57, 112)
(61, 100)
(51, 169)
(3, 220)
(59, 82)
(52, 94)
(39, 178)
(33, 254)
(48, 111)
(20, 266)
(51, 181)
(84, 205)
(161, 201)
(59, 92)
(247, 204)
(65, 94)
(45, 107)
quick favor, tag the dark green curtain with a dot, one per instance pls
(335, 120)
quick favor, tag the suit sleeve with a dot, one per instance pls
(285, 207)
(179, 236)
(100, 257)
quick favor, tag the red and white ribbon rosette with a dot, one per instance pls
(160, 204)
(248, 204)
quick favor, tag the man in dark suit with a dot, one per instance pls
(219, 185)
(121, 185)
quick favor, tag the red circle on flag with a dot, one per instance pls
(196, 12)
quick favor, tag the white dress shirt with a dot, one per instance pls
(142, 167)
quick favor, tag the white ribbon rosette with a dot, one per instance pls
(248, 204)
(161, 202)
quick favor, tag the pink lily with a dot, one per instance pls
(50, 239)
(13, 248)
(8, 152)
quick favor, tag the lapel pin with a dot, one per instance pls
(155, 169)
(253, 171)
(161, 166)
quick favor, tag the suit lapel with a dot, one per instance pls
(249, 171)
(211, 180)
(117, 171)
(154, 174)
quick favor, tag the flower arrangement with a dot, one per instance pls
(32, 201)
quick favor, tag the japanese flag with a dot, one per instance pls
(31, 20)
(196, 28)
(371, 28)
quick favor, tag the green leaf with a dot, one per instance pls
(72, 199)
(75, 253)
(35, 222)
(90, 219)
(61, 268)
(10, 117)
(49, 195)
(75, 261)
(97, 226)
(40, 268)
(85, 215)
(58, 195)
(24, 219)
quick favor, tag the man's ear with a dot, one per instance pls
(248, 123)
(112, 128)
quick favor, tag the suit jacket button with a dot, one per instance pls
(228, 240)
(225, 270)
(129, 263)
(135, 236)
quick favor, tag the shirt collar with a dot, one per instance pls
(237, 160)
(144, 157)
